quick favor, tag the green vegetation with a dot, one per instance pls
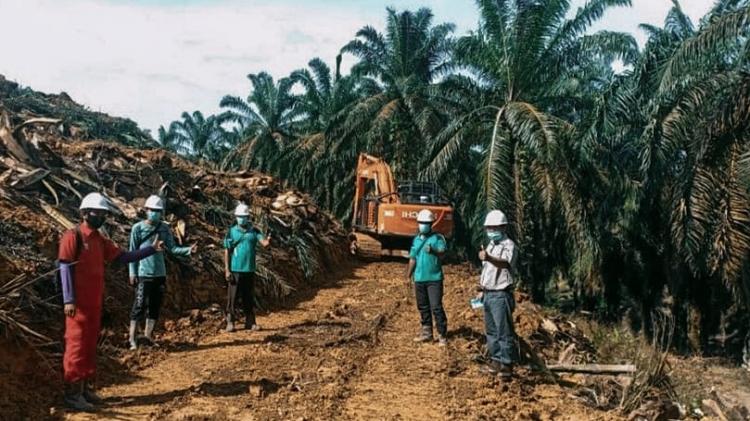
(631, 186)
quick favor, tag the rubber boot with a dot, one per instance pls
(90, 395)
(506, 372)
(230, 323)
(131, 335)
(149, 331)
(74, 398)
(492, 368)
(425, 335)
(250, 323)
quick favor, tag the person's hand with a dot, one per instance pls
(194, 249)
(158, 244)
(482, 255)
(132, 281)
(268, 238)
(428, 248)
(227, 275)
(70, 310)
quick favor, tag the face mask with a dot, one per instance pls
(495, 236)
(242, 220)
(425, 228)
(95, 221)
(153, 216)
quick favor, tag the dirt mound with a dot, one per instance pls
(47, 165)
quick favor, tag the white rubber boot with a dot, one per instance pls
(131, 335)
(149, 331)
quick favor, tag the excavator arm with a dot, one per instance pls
(374, 179)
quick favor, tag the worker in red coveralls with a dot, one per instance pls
(82, 255)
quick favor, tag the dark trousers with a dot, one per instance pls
(149, 294)
(498, 323)
(430, 304)
(244, 284)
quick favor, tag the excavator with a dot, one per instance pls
(384, 220)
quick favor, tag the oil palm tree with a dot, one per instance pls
(267, 119)
(395, 117)
(529, 77)
(197, 137)
(682, 112)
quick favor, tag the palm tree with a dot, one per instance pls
(529, 77)
(395, 117)
(327, 98)
(677, 126)
(267, 119)
(196, 136)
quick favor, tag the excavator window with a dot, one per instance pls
(370, 188)
(421, 192)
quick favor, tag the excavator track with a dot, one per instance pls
(366, 246)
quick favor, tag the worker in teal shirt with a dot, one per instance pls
(426, 270)
(240, 246)
(149, 276)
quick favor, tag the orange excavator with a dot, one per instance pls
(385, 214)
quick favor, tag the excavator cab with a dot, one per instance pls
(385, 214)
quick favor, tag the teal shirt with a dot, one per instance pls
(153, 266)
(428, 267)
(244, 243)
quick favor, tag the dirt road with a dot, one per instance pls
(345, 353)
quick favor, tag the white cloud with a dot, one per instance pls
(151, 62)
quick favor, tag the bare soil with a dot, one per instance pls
(345, 353)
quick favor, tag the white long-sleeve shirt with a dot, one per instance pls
(492, 277)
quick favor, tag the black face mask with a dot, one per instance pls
(95, 221)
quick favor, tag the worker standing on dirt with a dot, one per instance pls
(240, 246)
(82, 254)
(149, 276)
(496, 283)
(426, 270)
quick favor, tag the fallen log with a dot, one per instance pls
(16, 148)
(57, 216)
(30, 178)
(593, 368)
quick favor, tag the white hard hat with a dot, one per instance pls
(425, 216)
(95, 201)
(154, 202)
(495, 218)
(242, 210)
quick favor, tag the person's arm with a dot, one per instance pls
(440, 247)
(66, 255)
(172, 246)
(133, 265)
(502, 261)
(410, 268)
(263, 240)
(412, 260)
(66, 277)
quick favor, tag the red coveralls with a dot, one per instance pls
(82, 330)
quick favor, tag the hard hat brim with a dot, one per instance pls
(94, 207)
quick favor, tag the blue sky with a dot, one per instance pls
(152, 59)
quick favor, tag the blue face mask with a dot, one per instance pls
(242, 221)
(495, 236)
(153, 216)
(425, 228)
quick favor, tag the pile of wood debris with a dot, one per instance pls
(47, 165)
